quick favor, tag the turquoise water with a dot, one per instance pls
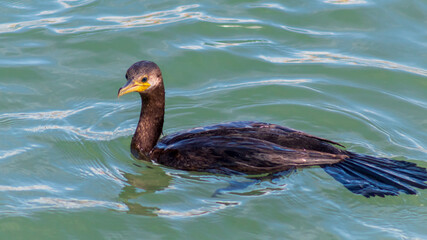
(353, 71)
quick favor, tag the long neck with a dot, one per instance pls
(150, 122)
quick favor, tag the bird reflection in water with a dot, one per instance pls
(151, 179)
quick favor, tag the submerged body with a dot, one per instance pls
(256, 147)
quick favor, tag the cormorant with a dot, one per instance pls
(256, 147)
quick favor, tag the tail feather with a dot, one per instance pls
(371, 176)
(399, 166)
(391, 174)
(382, 177)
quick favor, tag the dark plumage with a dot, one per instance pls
(256, 147)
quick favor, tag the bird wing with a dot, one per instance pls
(292, 131)
(223, 154)
(285, 137)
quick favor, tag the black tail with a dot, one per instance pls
(371, 176)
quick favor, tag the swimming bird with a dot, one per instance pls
(249, 147)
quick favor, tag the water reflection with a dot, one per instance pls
(240, 85)
(12, 152)
(47, 115)
(13, 27)
(74, 3)
(307, 31)
(154, 179)
(84, 133)
(233, 43)
(150, 180)
(175, 15)
(225, 44)
(153, 18)
(335, 58)
(268, 5)
(70, 203)
(346, 2)
(240, 26)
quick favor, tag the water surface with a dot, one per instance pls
(353, 71)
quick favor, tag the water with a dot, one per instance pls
(352, 71)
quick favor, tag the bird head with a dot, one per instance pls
(141, 77)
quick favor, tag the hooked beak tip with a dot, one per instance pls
(118, 93)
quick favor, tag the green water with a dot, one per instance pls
(352, 71)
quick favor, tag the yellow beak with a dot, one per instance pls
(133, 86)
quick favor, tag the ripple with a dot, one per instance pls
(307, 31)
(72, 203)
(86, 133)
(44, 115)
(23, 62)
(146, 20)
(214, 207)
(47, 12)
(240, 26)
(192, 47)
(27, 188)
(222, 86)
(221, 44)
(409, 100)
(346, 2)
(68, 125)
(9, 153)
(418, 146)
(104, 172)
(13, 27)
(225, 43)
(332, 58)
(74, 3)
(208, 18)
(16, 5)
(66, 4)
(268, 5)
(364, 118)
(152, 19)
(397, 233)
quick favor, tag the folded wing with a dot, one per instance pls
(230, 154)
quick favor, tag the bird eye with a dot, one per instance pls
(144, 79)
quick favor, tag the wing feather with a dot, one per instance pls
(242, 154)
